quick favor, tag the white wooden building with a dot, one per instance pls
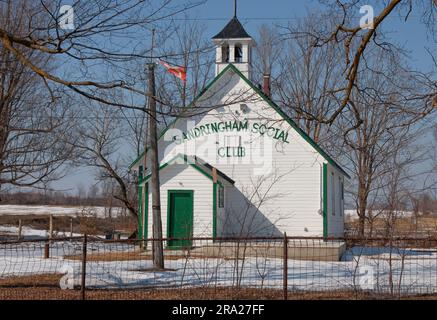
(234, 164)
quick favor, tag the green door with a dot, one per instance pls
(180, 218)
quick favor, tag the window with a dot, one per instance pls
(333, 193)
(342, 195)
(221, 196)
(238, 53)
(244, 108)
(225, 53)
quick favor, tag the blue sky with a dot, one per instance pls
(411, 35)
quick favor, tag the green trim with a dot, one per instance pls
(185, 158)
(214, 210)
(140, 204)
(146, 210)
(293, 124)
(325, 200)
(140, 212)
(169, 192)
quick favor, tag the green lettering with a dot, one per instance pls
(220, 152)
(202, 130)
(243, 125)
(196, 132)
(286, 138)
(207, 128)
(228, 125)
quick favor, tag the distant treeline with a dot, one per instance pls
(57, 198)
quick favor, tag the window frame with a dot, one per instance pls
(220, 196)
(333, 194)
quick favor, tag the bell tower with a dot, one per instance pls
(233, 45)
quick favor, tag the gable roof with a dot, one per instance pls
(233, 30)
(201, 166)
(303, 134)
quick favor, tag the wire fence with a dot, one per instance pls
(231, 268)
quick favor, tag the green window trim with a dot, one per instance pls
(325, 200)
(140, 212)
(214, 210)
(143, 213)
(140, 204)
(221, 197)
(146, 211)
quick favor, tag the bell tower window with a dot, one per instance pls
(238, 53)
(225, 53)
(233, 45)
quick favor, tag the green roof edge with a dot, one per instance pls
(185, 158)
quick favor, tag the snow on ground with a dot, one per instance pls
(57, 210)
(352, 213)
(411, 270)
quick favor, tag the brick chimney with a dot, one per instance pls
(266, 84)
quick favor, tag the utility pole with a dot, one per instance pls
(157, 247)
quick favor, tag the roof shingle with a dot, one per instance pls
(232, 30)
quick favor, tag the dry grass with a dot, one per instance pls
(404, 226)
(46, 287)
(81, 224)
(132, 256)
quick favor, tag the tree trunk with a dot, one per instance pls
(157, 247)
(362, 205)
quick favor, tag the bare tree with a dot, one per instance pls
(386, 133)
(356, 39)
(100, 142)
(195, 52)
(307, 74)
(106, 34)
(33, 120)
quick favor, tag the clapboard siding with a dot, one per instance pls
(294, 200)
(185, 177)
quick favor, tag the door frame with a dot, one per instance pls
(169, 193)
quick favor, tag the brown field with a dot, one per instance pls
(138, 254)
(46, 287)
(128, 256)
(88, 225)
(404, 226)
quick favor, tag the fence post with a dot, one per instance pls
(19, 229)
(71, 227)
(82, 287)
(51, 227)
(285, 265)
(47, 250)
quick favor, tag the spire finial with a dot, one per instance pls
(235, 8)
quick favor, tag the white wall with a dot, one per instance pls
(293, 202)
(185, 177)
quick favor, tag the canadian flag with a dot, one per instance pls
(177, 71)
